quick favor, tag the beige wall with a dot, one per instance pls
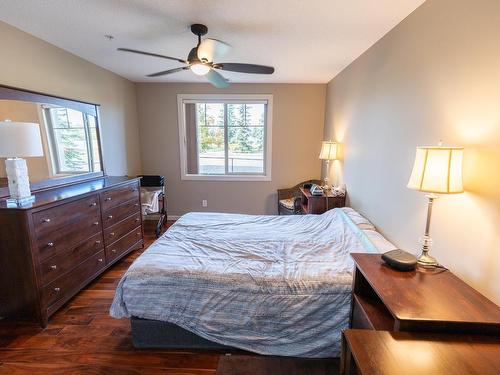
(28, 62)
(435, 76)
(296, 136)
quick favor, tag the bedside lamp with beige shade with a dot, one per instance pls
(17, 140)
(436, 170)
(328, 152)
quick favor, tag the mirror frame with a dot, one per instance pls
(14, 93)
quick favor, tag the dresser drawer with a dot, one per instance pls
(118, 213)
(54, 218)
(114, 233)
(69, 283)
(114, 197)
(67, 237)
(61, 263)
(123, 244)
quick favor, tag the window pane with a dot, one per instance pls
(236, 114)
(246, 149)
(206, 139)
(255, 114)
(214, 114)
(72, 150)
(96, 160)
(211, 150)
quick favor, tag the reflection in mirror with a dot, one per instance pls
(69, 137)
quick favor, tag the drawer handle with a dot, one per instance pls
(108, 199)
(138, 234)
(112, 234)
(98, 242)
(50, 244)
(56, 289)
(113, 250)
(110, 217)
(136, 205)
(95, 223)
(46, 220)
(136, 220)
(100, 260)
(93, 204)
(54, 267)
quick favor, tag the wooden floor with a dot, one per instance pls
(82, 338)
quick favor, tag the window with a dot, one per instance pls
(73, 140)
(225, 137)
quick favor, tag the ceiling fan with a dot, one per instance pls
(201, 60)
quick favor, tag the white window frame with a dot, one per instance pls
(226, 98)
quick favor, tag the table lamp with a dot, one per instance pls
(17, 140)
(436, 170)
(328, 152)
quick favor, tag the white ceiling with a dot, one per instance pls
(305, 40)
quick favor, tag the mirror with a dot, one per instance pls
(70, 137)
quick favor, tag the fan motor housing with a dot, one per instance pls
(199, 29)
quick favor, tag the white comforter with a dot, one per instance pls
(270, 284)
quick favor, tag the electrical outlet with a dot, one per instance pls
(204, 203)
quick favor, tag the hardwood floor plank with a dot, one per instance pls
(82, 338)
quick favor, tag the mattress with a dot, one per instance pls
(275, 285)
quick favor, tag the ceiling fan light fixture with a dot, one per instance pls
(199, 69)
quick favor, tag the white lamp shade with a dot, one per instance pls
(20, 139)
(437, 170)
(328, 150)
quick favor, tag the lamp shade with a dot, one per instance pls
(20, 139)
(328, 150)
(437, 170)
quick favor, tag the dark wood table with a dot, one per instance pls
(406, 353)
(318, 204)
(432, 300)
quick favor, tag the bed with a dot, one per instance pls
(274, 285)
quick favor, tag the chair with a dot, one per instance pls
(153, 199)
(289, 199)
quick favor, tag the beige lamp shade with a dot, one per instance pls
(20, 139)
(437, 170)
(328, 150)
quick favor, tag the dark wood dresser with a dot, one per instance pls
(52, 248)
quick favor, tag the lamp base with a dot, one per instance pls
(426, 260)
(19, 202)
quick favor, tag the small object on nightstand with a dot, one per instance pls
(400, 260)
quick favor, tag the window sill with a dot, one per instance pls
(248, 178)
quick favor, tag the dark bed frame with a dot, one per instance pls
(155, 334)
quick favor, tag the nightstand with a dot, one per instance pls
(430, 300)
(409, 353)
(318, 204)
(399, 316)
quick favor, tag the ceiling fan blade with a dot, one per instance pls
(245, 68)
(210, 49)
(151, 54)
(217, 79)
(170, 71)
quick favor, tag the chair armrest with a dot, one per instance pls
(297, 204)
(285, 193)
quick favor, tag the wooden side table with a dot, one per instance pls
(421, 300)
(406, 353)
(318, 204)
